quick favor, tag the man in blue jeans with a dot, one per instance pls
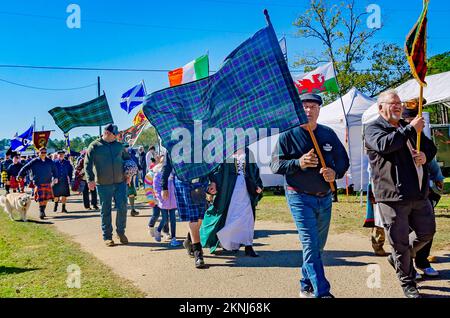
(104, 166)
(308, 191)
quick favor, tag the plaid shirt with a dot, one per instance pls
(253, 89)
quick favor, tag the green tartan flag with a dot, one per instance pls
(416, 47)
(93, 113)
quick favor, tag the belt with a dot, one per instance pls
(316, 194)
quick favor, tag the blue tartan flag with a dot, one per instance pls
(252, 89)
(133, 98)
(21, 143)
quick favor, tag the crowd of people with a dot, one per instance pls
(220, 207)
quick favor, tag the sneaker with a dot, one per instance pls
(109, 243)
(96, 208)
(430, 272)
(199, 262)
(411, 292)
(418, 276)
(157, 236)
(134, 213)
(151, 231)
(307, 293)
(175, 243)
(123, 239)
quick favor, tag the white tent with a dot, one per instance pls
(437, 91)
(355, 104)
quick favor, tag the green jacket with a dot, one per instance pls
(104, 162)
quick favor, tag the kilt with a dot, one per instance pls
(43, 193)
(4, 177)
(187, 210)
(14, 184)
(61, 189)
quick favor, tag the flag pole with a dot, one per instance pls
(319, 153)
(419, 133)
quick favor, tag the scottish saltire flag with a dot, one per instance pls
(252, 89)
(133, 98)
(93, 113)
(21, 143)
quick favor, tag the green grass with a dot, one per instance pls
(34, 260)
(348, 215)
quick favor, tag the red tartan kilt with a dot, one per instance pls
(43, 193)
(14, 184)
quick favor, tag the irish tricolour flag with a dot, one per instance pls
(192, 71)
(322, 79)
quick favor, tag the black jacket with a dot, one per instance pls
(393, 168)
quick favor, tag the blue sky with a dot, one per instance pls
(149, 35)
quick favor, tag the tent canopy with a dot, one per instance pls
(437, 91)
(355, 104)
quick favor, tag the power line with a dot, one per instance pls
(47, 89)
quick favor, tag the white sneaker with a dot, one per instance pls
(157, 236)
(430, 271)
(151, 230)
(167, 237)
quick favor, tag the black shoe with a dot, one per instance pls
(42, 215)
(64, 210)
(199, 262)
(411, 292)
(134, 213)
(249, 251)
(55, 209)
(96, 208)
(188, 246)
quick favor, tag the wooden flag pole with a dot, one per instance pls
(319, 153)
(419, 133)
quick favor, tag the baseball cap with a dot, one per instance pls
(312, 98)
(112, 129)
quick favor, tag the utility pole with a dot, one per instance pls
(98, 95)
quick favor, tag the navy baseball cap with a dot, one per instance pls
(112, 129)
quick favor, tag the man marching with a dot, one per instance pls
(308, 190)
(45, 175)
(61, 190)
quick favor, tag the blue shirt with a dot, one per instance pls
(43, 171)
(294, 143)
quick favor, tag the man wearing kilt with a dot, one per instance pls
(13, 171)
(62, 188)
(45, 174)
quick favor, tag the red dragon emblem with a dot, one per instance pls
(308, 86)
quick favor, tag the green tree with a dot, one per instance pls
(148, 138)
(348, 42)
(439, 63)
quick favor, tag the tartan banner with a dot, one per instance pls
(416, 47)
(253, 89)
(93, 113)
(131, 134)
(40, 139)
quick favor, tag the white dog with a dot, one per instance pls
(16, 202)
